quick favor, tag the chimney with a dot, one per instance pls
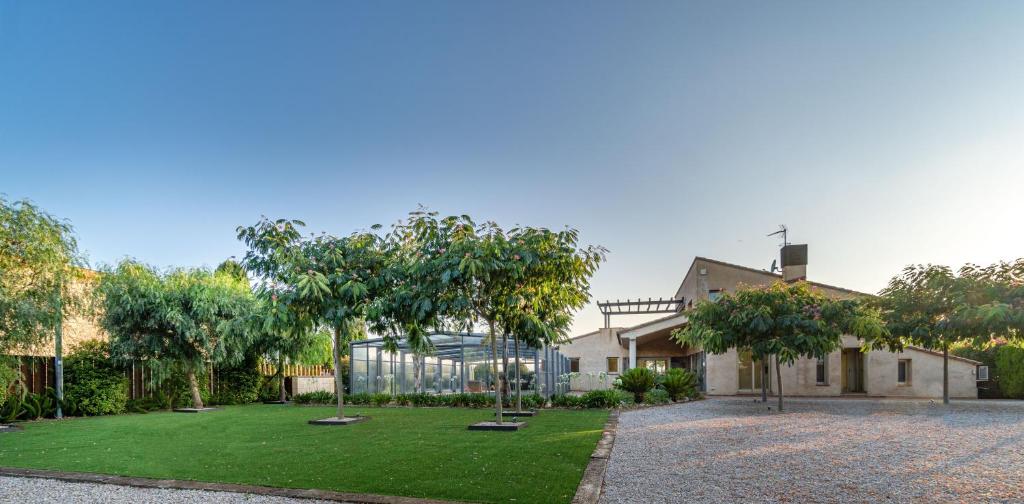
(794, 263)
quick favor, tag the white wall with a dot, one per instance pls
(593, 351)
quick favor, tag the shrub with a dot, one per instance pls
(380, 399)
(361, 398)
(270, 388)
(316, 397)
(679, 383)
(638, 381)
(599, 399)
(176, 387)
(9, 374)
(1010, 364)
(155, 402)
(237, 385)
(93, 384)
(657, 396)
(530, 401)
(566, 401)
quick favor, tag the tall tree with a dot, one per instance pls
(39, 268)
(935, 307)
(325, 280)
(484, 272)
(787, 321)
(185, 317)
(555, 282)
(413, 303)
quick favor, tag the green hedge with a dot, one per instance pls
(1005, 363)
(237, 385)
(93, 384)
(1010, 365)
(530, 401)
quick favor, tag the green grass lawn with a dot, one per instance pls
(425, 452)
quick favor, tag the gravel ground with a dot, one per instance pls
(48, 491)
(819, 450)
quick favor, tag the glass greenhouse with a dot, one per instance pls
(459, 362)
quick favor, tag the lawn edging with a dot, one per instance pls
(589, 490)
(295, 493)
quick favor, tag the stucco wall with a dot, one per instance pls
(725, 277)
(593, 351)
(880, 376)
(925, 376)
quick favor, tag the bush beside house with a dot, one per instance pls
(1005, 361)
(93, 384)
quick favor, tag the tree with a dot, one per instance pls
(39, 268)
(413, 302)
(324, 281)
(492, 276)
(555, 282)
(187, 317)
(935, 307)
(787, 321)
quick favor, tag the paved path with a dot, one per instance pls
(819, 450)
(48, 491)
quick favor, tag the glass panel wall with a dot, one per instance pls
(458, 362)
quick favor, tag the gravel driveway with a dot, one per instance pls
(819, 450)
(48, 491)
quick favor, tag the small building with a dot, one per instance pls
(598, 357)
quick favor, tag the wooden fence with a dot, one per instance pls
(270, 369)
(38, 375)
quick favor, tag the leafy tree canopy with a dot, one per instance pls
(39, 265)
(786, 320)
(935, 307)
(316, 281)
(186, 316)
(183, 317)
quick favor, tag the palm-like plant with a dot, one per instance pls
(680, 383)
(637, 381)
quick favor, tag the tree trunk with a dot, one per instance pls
(417, 381)
(494, 369)
(764, 380)
(945, 373)
(193, 386)
(337, 373)
(280, 376)
(778, 377)
(519, 383)
(506, 383)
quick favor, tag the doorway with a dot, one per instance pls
(853, 371)
(750, 372)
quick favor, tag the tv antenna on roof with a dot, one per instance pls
(785, 241)
(784, 232)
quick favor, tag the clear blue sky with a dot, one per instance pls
(881, 133)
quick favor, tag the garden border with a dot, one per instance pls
(295, 493)
(589, 490)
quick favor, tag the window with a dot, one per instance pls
(574, 364)
(714, 294)
(613, 364)
(903, 372)
(659, 366)
(982, 373)
(821, 371)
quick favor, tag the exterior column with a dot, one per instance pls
(632, 353)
